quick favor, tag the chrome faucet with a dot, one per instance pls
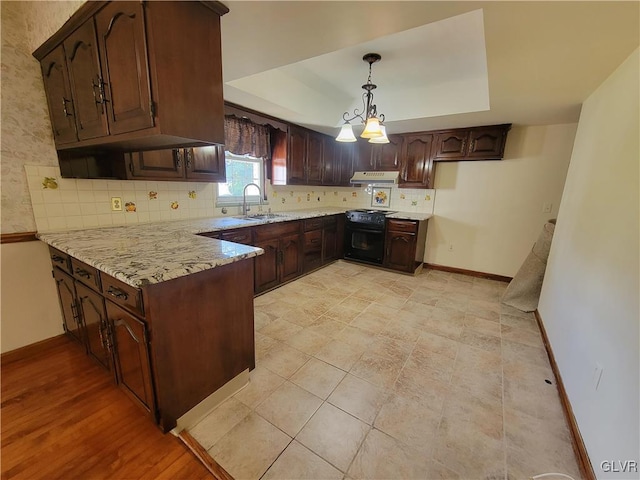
(245, 207)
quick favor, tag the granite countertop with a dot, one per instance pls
(418, 216)
(145, 254)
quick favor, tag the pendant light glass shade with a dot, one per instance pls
(383, 138)
(372, 128)
(346, 134)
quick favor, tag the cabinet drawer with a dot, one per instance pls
(241, 235)
(402, 225)
(313, 223)
(86, 274)
(275, 230)
(313, 241)
(122, 294)
(330, 221)
(60, 259)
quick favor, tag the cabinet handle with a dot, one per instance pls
(178, 157)
(315, 240)
(188, 154)
(75, 313)
(117, 293)
(83, 273)
(57, 259)
(64, 107)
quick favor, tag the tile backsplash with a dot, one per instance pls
(70, 204)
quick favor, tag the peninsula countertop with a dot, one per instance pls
(149, 253)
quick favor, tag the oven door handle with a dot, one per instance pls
(364, 230)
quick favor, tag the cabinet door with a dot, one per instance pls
(297, 156)
(125, 66)
(386, 156)
(59, 100)
(290, 257)
(364, 156)
(331, 240)
(315, 159)
(131, 352)
(416, 165)
(266, 266)
(205, 163)
(345, 158)
(330, 161)
(400, 251)
(86, 82)
(451, 145)
(94, 315)
(487, 143)
(67, 296)
(312, 247)
(156, 165)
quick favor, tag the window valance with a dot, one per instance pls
(243, 137)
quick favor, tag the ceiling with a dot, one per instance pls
(444, 64)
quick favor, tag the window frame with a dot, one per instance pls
(234, 200)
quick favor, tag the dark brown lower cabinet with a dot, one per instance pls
(169, 345)
(72, 322)
(267, 274)
(96, 325)
(404, 244)
(131, 355)
(283, 254)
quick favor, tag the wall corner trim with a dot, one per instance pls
(578, 443)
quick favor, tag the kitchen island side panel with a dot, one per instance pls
(201, 335)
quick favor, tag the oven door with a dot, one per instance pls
(363, 243)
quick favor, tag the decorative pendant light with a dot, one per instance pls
(383, 138)
(369, 116)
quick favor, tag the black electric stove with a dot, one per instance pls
(364, 235)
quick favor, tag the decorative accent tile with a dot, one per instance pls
(130, 207)
(49, 182)
(174, 205)
(153, 195)
(192, 194)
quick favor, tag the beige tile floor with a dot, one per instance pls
(363, 373)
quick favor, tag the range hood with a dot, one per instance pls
(374, 178)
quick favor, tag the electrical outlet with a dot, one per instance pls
(116, 204)
(547, 207)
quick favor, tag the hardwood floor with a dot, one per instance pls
(62, 417)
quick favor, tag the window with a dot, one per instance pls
(241, 170)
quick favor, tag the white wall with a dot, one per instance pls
(30, 310)
(491, 212)
(589, 300)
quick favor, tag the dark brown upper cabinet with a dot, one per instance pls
(383, 156)
(87, 85)
(476, 143)
(416, 164)
(205, 164)
(60, 102)
(305, 157)
(124, 85)
(133, 76)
